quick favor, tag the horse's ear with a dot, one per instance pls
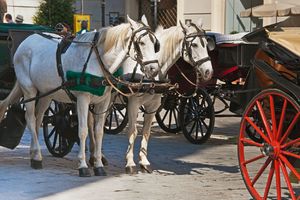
(144, 20)
(159, 29)
(199, 22)
(132, 23)
(182, 26)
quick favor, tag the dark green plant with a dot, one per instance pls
(52, 12)
(234, 32)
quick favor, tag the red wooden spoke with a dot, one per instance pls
(253, 159)
(265, 121)
(261, 170)
(290, 128)
(269, 181)
(257, 130)
(287, 180)
(290, 166)
(251, 142)
(273, 116)
(291, 143)
(290, 154)
(278, 183)
(282, 117)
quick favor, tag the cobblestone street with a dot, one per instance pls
(181, 170)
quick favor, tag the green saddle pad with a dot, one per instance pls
(87, 85)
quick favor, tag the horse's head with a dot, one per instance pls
(195, 48)
(143, 46)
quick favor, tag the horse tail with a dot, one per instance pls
(13, 97)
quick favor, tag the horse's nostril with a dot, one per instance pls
(153, 69)
(207, 72)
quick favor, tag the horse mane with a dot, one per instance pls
(172, 36)
(109, 36)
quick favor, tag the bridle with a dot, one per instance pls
(187, 49)
(187, 45)
(134, 42)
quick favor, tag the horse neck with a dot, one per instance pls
(117, 53)
(171, 41)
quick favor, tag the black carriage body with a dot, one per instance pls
(231, 61)
(11, 35)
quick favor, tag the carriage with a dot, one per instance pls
(11, 35)
(269, 123)
(257, 79)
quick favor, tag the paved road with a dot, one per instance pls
(182, 170)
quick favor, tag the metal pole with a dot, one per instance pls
(81, 6)
(103, 12)
(251, 16)
(155, 14)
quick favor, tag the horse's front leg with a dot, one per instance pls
(150, 108)
(132, 109)
(100, 109)
(91, 127)
(92, 138)
(82, 111)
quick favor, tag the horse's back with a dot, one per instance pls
(35, 62)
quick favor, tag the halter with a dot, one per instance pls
(134, 41)
(187, 45)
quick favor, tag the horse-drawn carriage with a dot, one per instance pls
(266, 91)
(259, 76)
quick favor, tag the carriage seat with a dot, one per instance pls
(284, 46)
(227, 38)
(288, 39)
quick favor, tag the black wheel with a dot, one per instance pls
(197, 117)
(117, 118)
(167, 114)
(55, 117)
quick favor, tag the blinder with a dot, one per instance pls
(137, 49)
(211, 45)
(156, 46)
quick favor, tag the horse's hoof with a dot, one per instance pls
(99, 171)
(36, 164)
(146, 169)
(84, 172)
(92, 161)
(104, 161)
(130, 170)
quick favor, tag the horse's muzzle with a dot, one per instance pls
(151, 69)
(206, 73)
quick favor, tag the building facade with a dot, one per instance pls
(217, 15)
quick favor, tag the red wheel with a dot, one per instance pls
(270, 167)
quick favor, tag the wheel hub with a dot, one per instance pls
(271, 150)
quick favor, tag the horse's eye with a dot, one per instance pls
(142, 43)
(194, 45)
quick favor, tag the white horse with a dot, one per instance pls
(176, 41)
(36, 71)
